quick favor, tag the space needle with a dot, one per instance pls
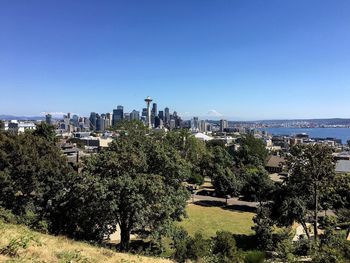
(148, 101)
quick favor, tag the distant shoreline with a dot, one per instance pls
(342, 133)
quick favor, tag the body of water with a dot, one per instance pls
(338, 133)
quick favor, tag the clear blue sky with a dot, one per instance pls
(263, 59)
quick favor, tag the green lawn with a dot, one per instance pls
(209, 220)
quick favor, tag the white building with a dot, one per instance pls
(19, 127)
(202, 137)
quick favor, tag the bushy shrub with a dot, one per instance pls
(221, 248)
(254, 257)
(302, 247)
(196, 178)
(7, 216)
(199, 247)
(186, 247)
(180, 240)
(224, 248)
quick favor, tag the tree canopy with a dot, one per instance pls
(311, 172)
(32, 171)
(252, 151)
(139, 180)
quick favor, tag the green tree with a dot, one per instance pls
(220, 169)
(290, 206)
(216, 142)
(252, 151)
(142, 177)
(333, 248)
(264, 228)
(225, 182)
(45, 131)
(338, 192)
(82, 208)
(32, 171)
(257, 185)
(2, 125)
(224, 248)
(192, 150)
(180, 243)
(311, 171)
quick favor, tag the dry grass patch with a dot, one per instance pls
(19, 244)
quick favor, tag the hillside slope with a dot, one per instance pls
(20, 244)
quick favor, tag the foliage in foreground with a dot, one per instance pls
(136, 183)
(221, 248)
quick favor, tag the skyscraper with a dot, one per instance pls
(118, 114)
(202, 126)
(98, 122)
(75, 120)
(103, 122)
(92, 120)
(195, 124)
(154, 113)
(154, 109)
(157, 122)
(167, 115)
(48, 118)
(135, 115)
(161, 115)
(223, 125)
(172, 124)
(108, 120)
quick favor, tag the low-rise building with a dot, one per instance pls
(15, 126)
(342, 166)
(275, 164)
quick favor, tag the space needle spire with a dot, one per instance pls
(148, 101)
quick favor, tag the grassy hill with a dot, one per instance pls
(20, 244)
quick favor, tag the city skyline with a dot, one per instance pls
(232, 60)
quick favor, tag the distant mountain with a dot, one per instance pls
(21, 118)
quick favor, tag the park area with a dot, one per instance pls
(210, 219)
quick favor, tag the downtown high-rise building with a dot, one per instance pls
(167, 116)
(154, 109)
(135, 115)
(223, 125)
(48, 118)
(103, 122)
(108, 120)
(98, 122)
(161, 115)
(203, 126)
(195, 124)
(118, 115)
(75, 120)
(172, 124)
(154, 113)
(93, 120)
(157, 121)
